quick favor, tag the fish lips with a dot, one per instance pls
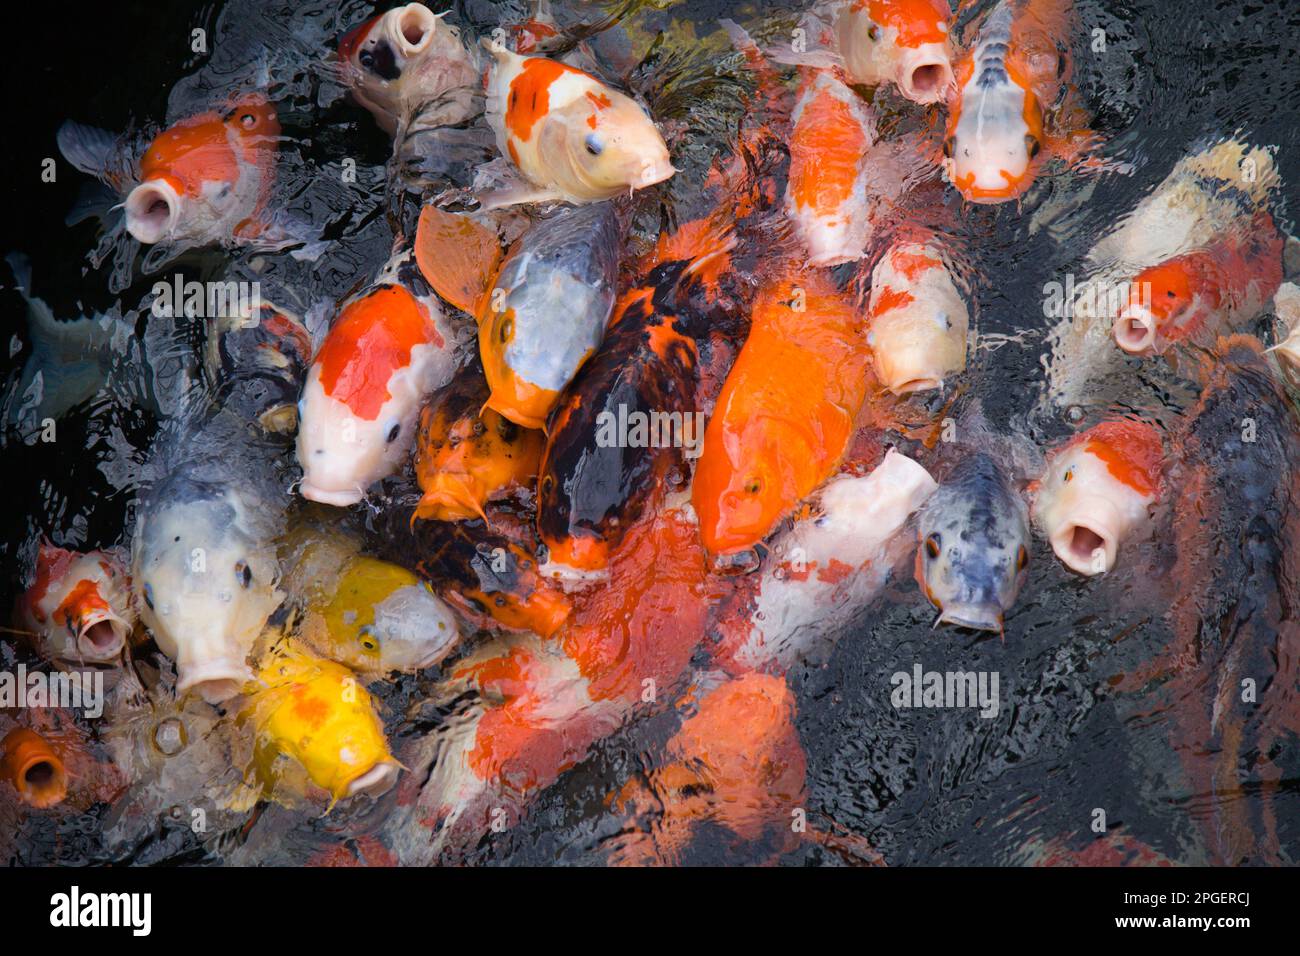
(976, 615)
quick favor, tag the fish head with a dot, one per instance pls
(602, 145)
(204, 173)
(972, 558)
(905, 41)
(357, 414)
(1162, 299)
(1096, 490)
(995, 134)
(79, 604)
(381, 618)
(205, 584)
(389, 53)
(740, 497)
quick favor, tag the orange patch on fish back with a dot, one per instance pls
(312, 711)
(891, 298)
(530, 94)
(371, 340)
(826, 149)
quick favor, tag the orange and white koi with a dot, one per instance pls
(1097, 490)
(919, 322)
(1196, 296)
(79, 606)
(542, 312)
(785, 414)
(826, 192)
(207, 178)
(904, 42)
(1009, 112)
(387, 351)
(407, 58)
(573, 137)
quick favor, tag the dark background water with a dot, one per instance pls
(924, 786)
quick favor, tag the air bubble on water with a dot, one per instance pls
(169, 736)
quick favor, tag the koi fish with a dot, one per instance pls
(313, 712)
(34, 768)
(1097, 490)
(542, 312)
(573, 138)
(1286, 304)
(206, 179)
(594, 482)
(1232, 614)
(1195, 296)
(826, 191)
(407, 58)
(736, 762)
(259, 359)
(786, 412)
(386, 352)
(827, 566)
(1214, 192)
(1011, 104)
(79, 606)
(876, 42)
(466, 454)
(918, 322)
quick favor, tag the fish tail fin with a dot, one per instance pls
(457, 256)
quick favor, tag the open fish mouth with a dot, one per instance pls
(976, 616)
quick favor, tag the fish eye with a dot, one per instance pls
(873, 34)
(932, 545)
(243, 573)
(1022, 558)
(368, 641)
(507, 330)
(753, 486)
(947, 147)
(148, 594)
(547, 484)
(594, 145)
(1069, 473)
(248, 121)
(367, 58)
(1032, 145)
(393, 433)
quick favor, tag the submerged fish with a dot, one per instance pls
(466, 454)
(785, 415)
(205, 179)
(259, 357)
(735, 763)
(973, 553)
(79, 606)
(574, 138)
(542, 312)
(826, 192)
(918, 323)
(313, 712)
(1012, 109)
(386, 352)
(1097, 490)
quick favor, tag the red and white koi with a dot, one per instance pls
(388, 349)
(79, 606)
(904, 42)
(918, 323)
